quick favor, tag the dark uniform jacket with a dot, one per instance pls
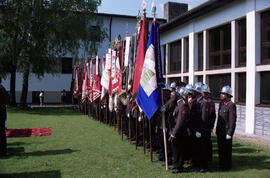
(170, 107)
(181, 113)
(226, 118)
(199, 116)
(212, 113)
(3, 102)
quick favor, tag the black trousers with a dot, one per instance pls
(178, 152)
(224, 152)
(200, 152)
(3, 138)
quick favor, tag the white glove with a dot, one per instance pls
(140, 119)
(188, 131)
(128, 115)
(228, 137)
(198, 134)
(163, 108)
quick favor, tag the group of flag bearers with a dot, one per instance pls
(131, 95)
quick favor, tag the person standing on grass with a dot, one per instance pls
(3, 117)
(41, 97)
(63, 96)
(225, 128)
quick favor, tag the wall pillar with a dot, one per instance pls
(253, 57)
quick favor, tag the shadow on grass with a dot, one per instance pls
(245, 157)
(46, 111)
(41, 174)
(19, 151)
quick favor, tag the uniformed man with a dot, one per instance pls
(199, 126)
(179, 131)
(3, 117)
(212, 118)
(225, 128)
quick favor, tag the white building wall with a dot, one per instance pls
(249, 9)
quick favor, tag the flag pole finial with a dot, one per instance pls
(144, 8)
(154, 9)
(127, 30)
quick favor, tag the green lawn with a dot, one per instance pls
(81, 147)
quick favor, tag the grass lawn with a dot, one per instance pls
(81, 147)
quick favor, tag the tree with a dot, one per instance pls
(38, 32)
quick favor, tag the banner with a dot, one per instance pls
(96, 86)
(140, 56)
(149, 96)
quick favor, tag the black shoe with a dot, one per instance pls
(203, 170)
(222, 169)
(177, 171)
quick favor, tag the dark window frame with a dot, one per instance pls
(175, 64)
(221, 84)
(264, 44)
(200, 51)
(241, 49)
(262, 101)
(186, 55)
(221, 53)
(164, 59)
(241, 88)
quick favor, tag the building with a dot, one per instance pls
(224, 42)
(53, 84)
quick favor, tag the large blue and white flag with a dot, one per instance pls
(148, 97)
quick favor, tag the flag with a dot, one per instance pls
(90, 86)
(140, 56)
(77, 81)
(85, 82)
(106, 71)
(96, 86)
(103, 90)
(149, 96)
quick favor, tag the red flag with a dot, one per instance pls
(140, 56)
(90, 88)
(116, 75)
(97, 86)
(85, 82)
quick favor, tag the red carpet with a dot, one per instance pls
(28, 132)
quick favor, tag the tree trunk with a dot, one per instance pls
(12, 98)
(25, 87)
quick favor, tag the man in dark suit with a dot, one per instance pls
(225, 128)
(199, 127)
(3, 117)
(178, 133)
(212, 118)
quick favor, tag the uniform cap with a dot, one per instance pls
(189, 87)
(198, 87)
(206, 88)
(227, 90)
(173, 85)
(183, 92)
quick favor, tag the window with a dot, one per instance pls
(185, 79)
(200, 51)
(241, 87)
(164, 59)
(220, 47)
(265, 88)
(175, 57)
(216, 82)
(186, 54)
(200, 78)
(242, 43)
(66, 65)
(265, 37)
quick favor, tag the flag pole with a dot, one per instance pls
(150, 140)
(164, 131)
(142, 117)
